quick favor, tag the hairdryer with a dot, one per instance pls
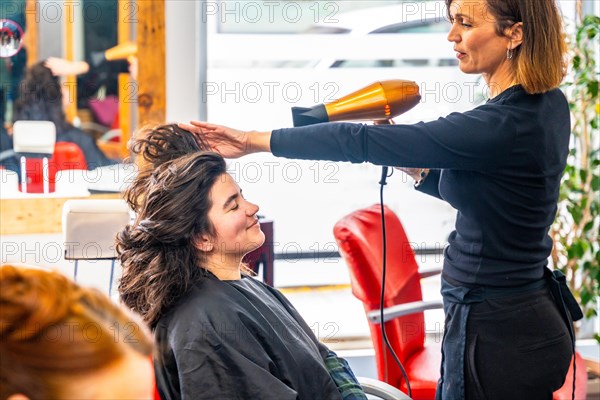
(119, 52)
(380, 101)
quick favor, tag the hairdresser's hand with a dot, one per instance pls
(62, 67)
(133, 66)
(229, 142)
(418, 174)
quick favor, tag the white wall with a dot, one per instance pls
(182, 52)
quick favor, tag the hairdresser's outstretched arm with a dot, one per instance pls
(63, 67)
(229, 142)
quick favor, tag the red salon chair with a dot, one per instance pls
(581, 378)
(360, 242)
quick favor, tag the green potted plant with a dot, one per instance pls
(576, 230)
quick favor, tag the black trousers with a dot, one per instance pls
(517, 347)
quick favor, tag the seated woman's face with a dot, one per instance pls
(234, 219)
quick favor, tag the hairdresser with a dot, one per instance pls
(500, 166)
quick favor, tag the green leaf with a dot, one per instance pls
(569, 169)
(592, 88)
(585, 245)
(586, 296)
(570, 253)
(577, 215)
(588, 227)
(597, 337)
(593, 271)
(578, 249)
(596, 183)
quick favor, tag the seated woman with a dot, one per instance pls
(42, 100)
(221, 334)
(59, 340)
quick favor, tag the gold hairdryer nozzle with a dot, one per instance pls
(121, 51)
(379, 101)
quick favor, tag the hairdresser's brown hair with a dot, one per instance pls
(46, 328)
(539, 63)
(171, 196)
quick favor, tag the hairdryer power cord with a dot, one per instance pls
(382, 182)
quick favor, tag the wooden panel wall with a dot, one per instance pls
(70, 80)
(151, 55)
(127, 16)
(31, 34)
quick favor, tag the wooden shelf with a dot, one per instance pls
(36, 215)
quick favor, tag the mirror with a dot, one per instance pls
(102, 37)
(11, 38)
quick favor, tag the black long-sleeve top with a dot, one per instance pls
(499, 165)
(100, 73)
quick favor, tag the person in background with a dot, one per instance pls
(500, 166)
(220, 333)
(59, 340)
(97, 80)
(96, 84)
(42, 99)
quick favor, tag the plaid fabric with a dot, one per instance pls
(344, 378)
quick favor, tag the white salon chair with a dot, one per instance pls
(36, 140)
(90, 228)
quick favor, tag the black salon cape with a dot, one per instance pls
(239, 340)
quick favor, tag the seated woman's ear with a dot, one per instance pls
(204, 243)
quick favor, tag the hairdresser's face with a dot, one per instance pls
(478, 47)
(234, 218)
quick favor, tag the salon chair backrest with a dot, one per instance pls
(90, 227)
(34, 137)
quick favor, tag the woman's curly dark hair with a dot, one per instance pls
(171, 198)
(153, 146)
